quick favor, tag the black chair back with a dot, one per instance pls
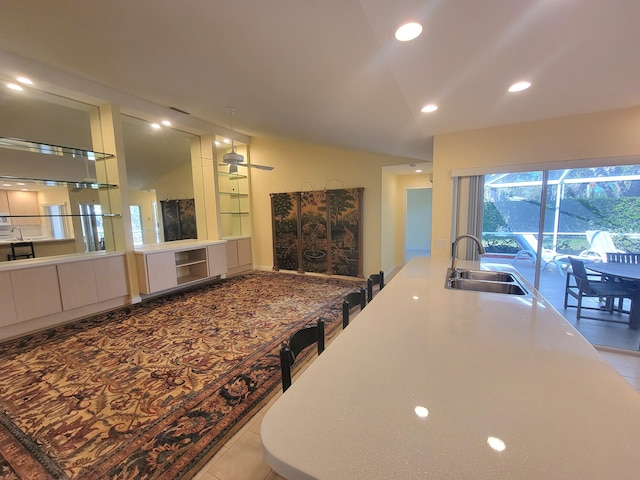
(351, 301)
(581, 276)
(373, 280)
(300, 340)
(617, 257)
(21, 250)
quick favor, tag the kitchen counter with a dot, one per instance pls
(54, 260)
(511, 391)
(176, 245)
(9, 241)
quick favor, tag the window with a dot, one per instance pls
(136, 224)
(56, 222)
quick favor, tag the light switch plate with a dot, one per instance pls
(442, 243)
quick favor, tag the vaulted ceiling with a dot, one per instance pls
(331, 71)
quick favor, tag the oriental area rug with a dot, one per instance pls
(153, 390)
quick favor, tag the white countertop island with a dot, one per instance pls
(512, 391)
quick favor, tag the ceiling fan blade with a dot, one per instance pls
(259, 167)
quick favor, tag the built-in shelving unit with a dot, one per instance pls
(234, 203)
(191, 265)
(170, 265)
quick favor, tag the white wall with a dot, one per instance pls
(602, 138)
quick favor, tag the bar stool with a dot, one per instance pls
(21, 250)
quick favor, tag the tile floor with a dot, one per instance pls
(241, 457)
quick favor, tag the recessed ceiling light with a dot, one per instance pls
(408, 31)
(418, 171)
(519, 86)
(24, 80)
(226, 140)
(429, 108)
(155, 125)
(166, 123)
(217, 143)
(14, 86)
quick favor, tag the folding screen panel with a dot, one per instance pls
(318, 231)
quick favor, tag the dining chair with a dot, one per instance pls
(21, 250)
(300, 340)
(373, 280)
(619, 257)
(352, 301)
(586, 287)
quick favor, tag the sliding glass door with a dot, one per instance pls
(537, 220)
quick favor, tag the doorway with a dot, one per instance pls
(417, 232)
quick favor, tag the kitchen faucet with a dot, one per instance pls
(454, 249)
(21, 238)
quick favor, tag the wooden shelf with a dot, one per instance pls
(167, 266)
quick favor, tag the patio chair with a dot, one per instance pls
(617, 257)
(600, 243)
(300, 340)
(589, 288)
(529, 249)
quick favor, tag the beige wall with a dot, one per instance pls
(606, 138)
(405, 182)
(300, 166)
(177, 185)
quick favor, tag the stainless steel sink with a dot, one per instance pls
(485, 281)
(486, 275)
(484, 286)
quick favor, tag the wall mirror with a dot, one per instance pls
(60, 217)
(159, 173)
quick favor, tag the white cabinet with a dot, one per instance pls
(8, 313)
(111, 278)
(36, 292)
(239, 257)
(4, 201)
(43, 292)
(217, 258)
(158, 270)
(91, 281)
(24, 203)
(164, 267)
(78, 285)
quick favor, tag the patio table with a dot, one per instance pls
(624, 271)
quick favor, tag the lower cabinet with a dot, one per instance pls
(8, 316)
(55, 290)
(163, 268)
(36, 292)
(239, 257)
(91, 281)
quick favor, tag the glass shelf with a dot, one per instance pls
(48, 149)
(235, 194)
(231, 175)
(59, 183)
(104, 215)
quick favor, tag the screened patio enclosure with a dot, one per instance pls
(565, 208)
(575, 201)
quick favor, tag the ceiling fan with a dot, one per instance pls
(232, 158)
